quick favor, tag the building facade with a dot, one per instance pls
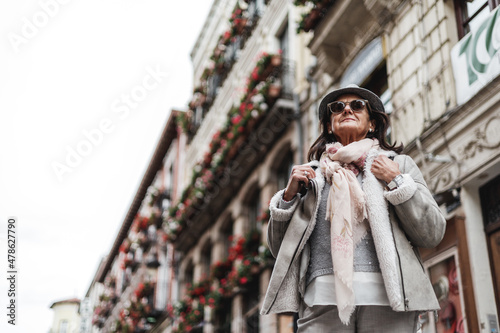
(240, 153)
(260, 70)
(66, 316)
(435, 65)
(132, 287)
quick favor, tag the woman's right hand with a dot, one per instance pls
(301, 174)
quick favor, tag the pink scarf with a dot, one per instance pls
(346, 211)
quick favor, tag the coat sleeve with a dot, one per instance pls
(279, 220)
(420, 216)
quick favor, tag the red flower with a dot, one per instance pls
(255, 74)
(243, 280)
(236, 119)
(143, 223)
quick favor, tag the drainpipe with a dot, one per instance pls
(300, 130)
(313, 95)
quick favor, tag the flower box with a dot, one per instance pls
(276, 60)
(274, 90)
(240, 24)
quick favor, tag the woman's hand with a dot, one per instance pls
(384, 168)
(300, 173)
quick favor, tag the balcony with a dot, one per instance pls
(345, 29)
(251, 130)
(243, 21)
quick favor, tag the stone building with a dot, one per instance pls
(260, 69)
(66, 316)
(132, 286)
(240, 152)
(435, 65)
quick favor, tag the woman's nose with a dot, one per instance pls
(347, 109)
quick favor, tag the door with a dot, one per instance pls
(490, 203)
(494, 249)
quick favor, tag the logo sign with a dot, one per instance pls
(476, 58)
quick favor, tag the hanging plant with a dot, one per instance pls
(226, 142)
(310, 19)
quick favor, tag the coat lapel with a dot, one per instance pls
(380, 224)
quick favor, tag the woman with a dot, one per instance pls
(345, 230)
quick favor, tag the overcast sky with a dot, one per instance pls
(85, 91)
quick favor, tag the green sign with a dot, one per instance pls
(476, 58)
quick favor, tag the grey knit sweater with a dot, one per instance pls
(320, 263)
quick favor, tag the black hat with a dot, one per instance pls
(374, 100)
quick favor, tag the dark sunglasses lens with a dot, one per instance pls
(357, 105)
(337, 107)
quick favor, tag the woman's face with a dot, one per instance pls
(349, 126)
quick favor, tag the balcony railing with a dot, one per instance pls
(268, 101)
(242, 23)
(311, 19)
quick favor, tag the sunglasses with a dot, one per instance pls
(357, 105)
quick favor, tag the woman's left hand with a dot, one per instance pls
(385, 169)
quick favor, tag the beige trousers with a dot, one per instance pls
(365, 319)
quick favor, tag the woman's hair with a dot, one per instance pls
(381, 125)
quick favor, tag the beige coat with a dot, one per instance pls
(400, 220)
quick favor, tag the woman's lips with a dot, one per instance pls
(348, 119)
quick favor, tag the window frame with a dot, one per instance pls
(462, 17)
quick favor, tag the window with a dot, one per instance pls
(63, 326)
(227, 232)
(255, 10)
(254, 210)
(206, 258)
(377, 82)
(223, 317)
(471, 13)
(287, 76)
(444, 273)
(251, 307)
(188, 276)
(284, 170)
